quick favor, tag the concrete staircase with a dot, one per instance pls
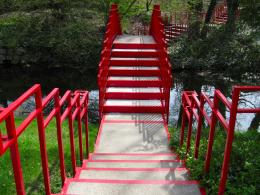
(131, 155)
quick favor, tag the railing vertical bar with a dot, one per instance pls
(183, 124)
(59, 137)
(42, 139)
(211, 133)
(80, 131)
(71, 131)
(229, 140)
(199, 127)
(15, 156)
(190, 127)
(86, 127)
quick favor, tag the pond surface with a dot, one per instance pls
(13, 84)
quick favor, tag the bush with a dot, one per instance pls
(237, 53)
(58, 35)
(244, 171)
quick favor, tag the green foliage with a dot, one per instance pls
(244, 171)
(195, 5)
(61, 33)
(237, 53)
(250, 12)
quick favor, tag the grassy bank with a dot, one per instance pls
(30, 158)
(244, 172)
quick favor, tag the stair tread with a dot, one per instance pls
(129, 188)
(133, 164)
(110, 156)
(134, 68)
(141, 39)
(141, 138)
(121, 102)
(135, 50)
(133, 116)
(134, 89)
(134, 59)
(135, 78)
(114, 174)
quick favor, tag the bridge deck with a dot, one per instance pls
(134, 39)
(132, 155)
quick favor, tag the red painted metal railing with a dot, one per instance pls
(157, 31)
(175, 23)
(75, 107)
(113, 29)
(193, 108)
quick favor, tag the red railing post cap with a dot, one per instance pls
(114, 6)
(156, 7)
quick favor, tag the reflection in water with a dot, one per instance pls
(14, 84)
(248, 100)
(208, 82)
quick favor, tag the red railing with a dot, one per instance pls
(175, 23)
(157, 31)
(112, 30)
(75, 106)
(193, 108)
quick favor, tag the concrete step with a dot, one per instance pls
(134, 81)
(134, 68)
(179, 174)
(133, 72)
(133, 164)
(134, 78)
(121, 102)
(117, 61)
(134, 53)
(133, 109)
(134, 89)
(133, 93)
(134, 117)
(128, 156)
(132, 137)
(135, 45)
(133, 106)
(134, 39)
(138, 187)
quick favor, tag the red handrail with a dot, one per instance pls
(76, 107)
(157, 31)
(194, 106)
(112, 30)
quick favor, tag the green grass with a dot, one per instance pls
(30, 158)
(244, 171)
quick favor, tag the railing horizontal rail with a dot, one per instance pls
(193, 107)
(12, 107)
(76, 103)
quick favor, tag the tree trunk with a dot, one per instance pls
(148, 3)
(255, 123)
(194, 84)
(208, 17)
(232, 6)
(194, 26)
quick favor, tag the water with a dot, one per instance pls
(13, 84)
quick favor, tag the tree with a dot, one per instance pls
(255, 123)
(208, 17)
(232, 6)
(195, 7)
